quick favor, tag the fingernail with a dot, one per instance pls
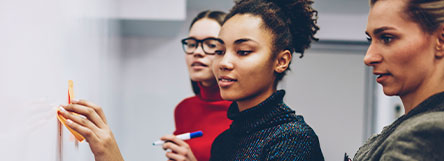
(83, 117)
(74, 100)
(68, 121)
(62, 109)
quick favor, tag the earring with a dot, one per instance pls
(282, 69)
(438, 45)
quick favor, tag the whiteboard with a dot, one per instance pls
(43, 45)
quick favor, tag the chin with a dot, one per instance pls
(228, 95)
(200, 77)
(390, 92)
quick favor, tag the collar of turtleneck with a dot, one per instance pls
(268, 113)
(210, 93)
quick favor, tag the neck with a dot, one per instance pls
(426, 89)
(254, 100)
(208, 83)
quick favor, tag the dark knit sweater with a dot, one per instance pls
(268, 131)
(418, 135)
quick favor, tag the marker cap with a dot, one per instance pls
(196, 134)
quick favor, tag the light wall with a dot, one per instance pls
(43, 44)
(327, 88)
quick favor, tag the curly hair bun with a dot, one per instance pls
(296, 13)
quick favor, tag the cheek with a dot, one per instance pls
(209, 59)
(412, 57)
(215, 66)
(188, 60)
(258, 72)
(411, 64)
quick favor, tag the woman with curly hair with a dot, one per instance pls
(254, 50)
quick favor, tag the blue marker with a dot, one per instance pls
(185, 136)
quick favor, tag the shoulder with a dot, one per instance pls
(182, 112)
(221, 145)
(297, 131)
(296, 128)
(188, 100)
(417, 138)
(221, 138)
(424, 123)
(295, 140)
(185, 103)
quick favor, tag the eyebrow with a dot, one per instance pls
(379, 30)
(240, 41)
(201, 39)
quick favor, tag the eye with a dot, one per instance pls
(243, 52)
(191, 45)
(386, 38)
(369, 39)
(219, 52)
(211, 45)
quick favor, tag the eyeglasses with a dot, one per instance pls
(208, 45)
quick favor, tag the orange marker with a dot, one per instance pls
(63, 120)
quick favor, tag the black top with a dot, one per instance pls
(268, 131)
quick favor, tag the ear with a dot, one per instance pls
(282, 62)
(440, 42)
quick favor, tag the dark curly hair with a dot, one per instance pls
(217, 16)
(293, 23)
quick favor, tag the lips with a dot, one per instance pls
(198, 64)
(225, 81)
(381, 77)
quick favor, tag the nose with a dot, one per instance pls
(225, 63)
(372, 57)
(198, 52)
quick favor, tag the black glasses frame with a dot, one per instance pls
(199, 42)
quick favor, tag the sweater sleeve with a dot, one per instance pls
(179, 117)
(303, 146)
(423, 140)
(221, 146)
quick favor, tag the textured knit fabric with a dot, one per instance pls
(418, 135)
(268, 131)
(206, 112)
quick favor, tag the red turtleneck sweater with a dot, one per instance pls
(207, 112)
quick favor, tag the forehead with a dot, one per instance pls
(204, 28)
(387, 13)
(244, 26)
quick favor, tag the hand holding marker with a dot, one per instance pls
(185, 136)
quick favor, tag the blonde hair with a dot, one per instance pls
(429, 14)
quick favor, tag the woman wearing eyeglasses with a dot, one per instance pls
(253, 51)
(206, 111)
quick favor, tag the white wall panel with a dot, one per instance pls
(43, 45)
